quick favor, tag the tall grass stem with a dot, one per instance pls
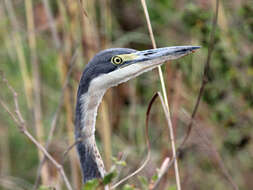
(172, 139)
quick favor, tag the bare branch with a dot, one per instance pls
(8, 111)
(19, 120)
(56, 115)
(205, 74)
(211, 148)
(204, 82)
(72, 146)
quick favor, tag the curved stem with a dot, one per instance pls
(164, 97)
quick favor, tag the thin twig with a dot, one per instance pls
(21, 124)
(56, 115)
(163, 167)
(203, 84)
(158, 94)
(205, 74)
(217, 156)
(52, 25)
(147, 144)
(8, 111)
(71, 146)
(164, 97)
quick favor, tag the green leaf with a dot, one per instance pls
(108, 178)
(143, 181)
(154, 177)
(128, 187)
(91, 185)
(118, 162)
(121, 163)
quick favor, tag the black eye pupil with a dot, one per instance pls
(117, 60)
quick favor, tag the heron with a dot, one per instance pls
(106, 69)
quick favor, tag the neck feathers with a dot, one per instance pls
(86, 111)
(91, 162)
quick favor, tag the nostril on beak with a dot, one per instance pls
(148, 53)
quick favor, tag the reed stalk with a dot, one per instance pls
(5, 164)
(18, 45)
(164, 97)
(106, 18)
(36, 103)
(69, 27)
(106, 133)
(69, 122)
(7, 41)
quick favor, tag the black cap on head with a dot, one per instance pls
(100, 64)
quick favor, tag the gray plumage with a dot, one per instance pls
(100, 64)
(100, 74)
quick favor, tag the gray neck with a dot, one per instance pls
(86, 112)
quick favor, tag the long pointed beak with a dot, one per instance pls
(154, 57)
(164, 54)
(134, 64)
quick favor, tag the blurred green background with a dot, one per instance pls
(41, 38)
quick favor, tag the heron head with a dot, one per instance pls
(106, 69)
(117, 65)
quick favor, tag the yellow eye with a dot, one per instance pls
(117, 60)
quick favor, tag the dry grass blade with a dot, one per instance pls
(82, 8)
(56, 115)
(36, 103)
(147, 144)
(163, 166)
(158, 94)
(19, 120)
(204, 82)
(106, 131)
(19, 48)
(154, 46)
(164, 96)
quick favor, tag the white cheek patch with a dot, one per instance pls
(124, 74)
(91, 100)
(98, 86)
